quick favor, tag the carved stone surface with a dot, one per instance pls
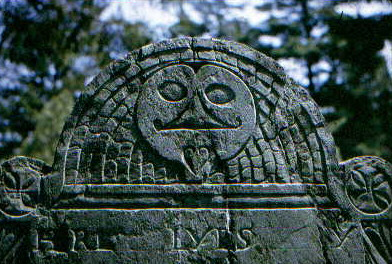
(195, 150)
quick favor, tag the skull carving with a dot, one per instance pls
(189, 115)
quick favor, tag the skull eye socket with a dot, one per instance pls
(172, 92)
(219, 94)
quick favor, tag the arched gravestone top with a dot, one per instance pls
(195, 110)
(195, 150)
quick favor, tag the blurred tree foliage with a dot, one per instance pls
(47, 49)
(356, 82)
(50, 48)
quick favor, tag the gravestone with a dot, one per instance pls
(195, 150)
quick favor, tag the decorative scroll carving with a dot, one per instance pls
(378, 240)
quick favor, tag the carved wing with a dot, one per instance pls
(101, 143)
(291, 143)
(98, 140)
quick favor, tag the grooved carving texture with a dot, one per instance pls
(196, 111)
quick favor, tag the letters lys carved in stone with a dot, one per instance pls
(195, 150)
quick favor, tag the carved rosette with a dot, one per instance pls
(365, 195)
(365, 189)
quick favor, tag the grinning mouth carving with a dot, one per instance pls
(193, 124)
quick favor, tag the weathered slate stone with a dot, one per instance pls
(195, 150)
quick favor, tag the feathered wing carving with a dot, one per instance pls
(291, 143)
(99, 140)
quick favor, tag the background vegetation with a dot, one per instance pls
(50, 48)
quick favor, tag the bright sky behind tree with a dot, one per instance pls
(161, 16)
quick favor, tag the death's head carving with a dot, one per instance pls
(188, 114)
(195, 110)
